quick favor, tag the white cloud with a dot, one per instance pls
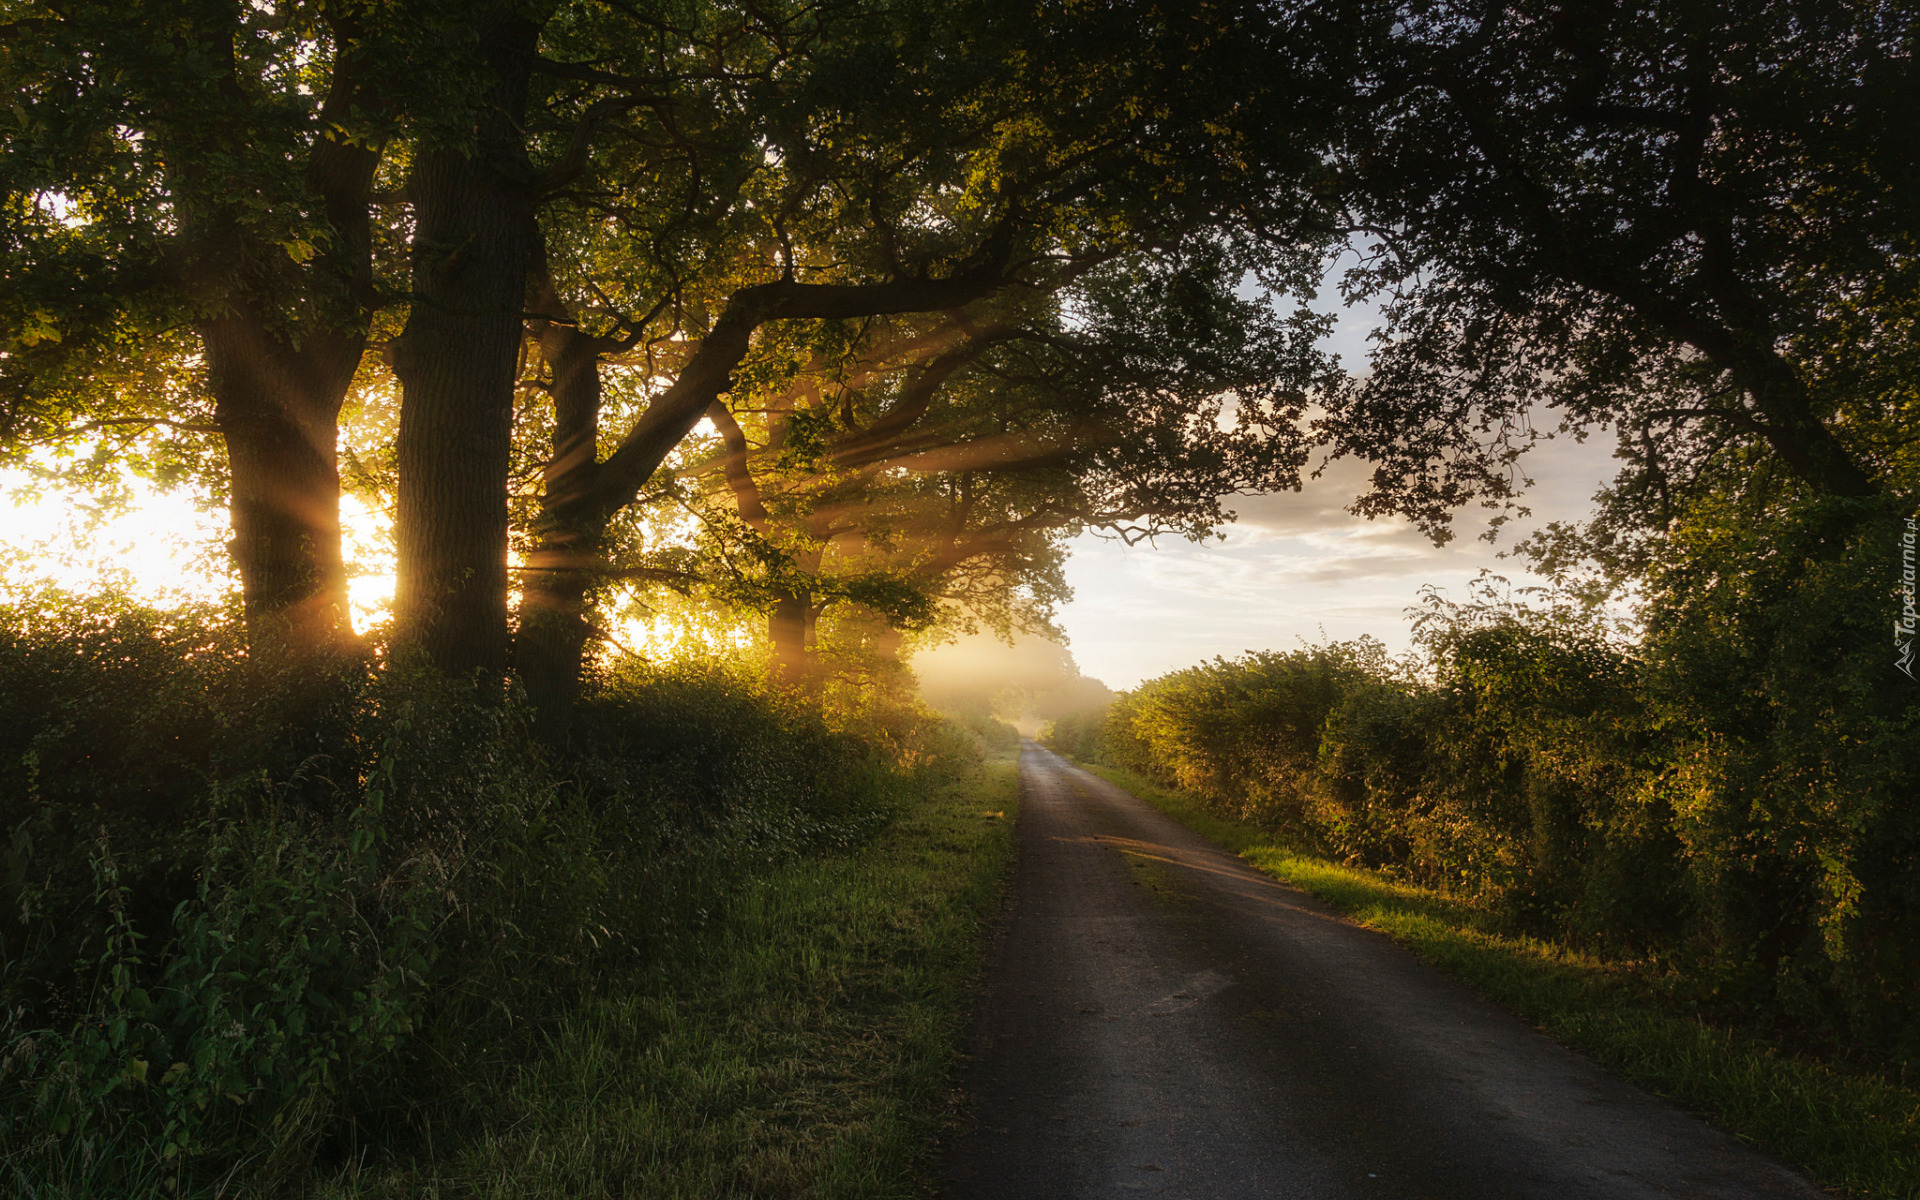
(1294, 567)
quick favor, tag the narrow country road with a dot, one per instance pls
(1162, 1020)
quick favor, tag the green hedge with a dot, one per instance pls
(1727, 798)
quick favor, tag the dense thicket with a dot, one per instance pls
(239, 942)
(1727, 800)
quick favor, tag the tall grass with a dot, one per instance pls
(266, 924)
(799, 1045)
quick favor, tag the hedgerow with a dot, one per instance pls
(260, 920)
(1725, 798)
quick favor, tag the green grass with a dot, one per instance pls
(802, 1048)
(1852, 1129)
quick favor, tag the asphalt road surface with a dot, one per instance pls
(1162, 1020)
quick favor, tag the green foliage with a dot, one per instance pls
(1078, 735)
(1724, 799)
(1244, 732)
(994, 734)
(249, 933)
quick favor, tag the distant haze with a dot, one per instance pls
(1026, 684)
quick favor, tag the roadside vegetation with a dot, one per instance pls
(1630, 840)
(798, 1044)
(394, 945)
(1851, 1126)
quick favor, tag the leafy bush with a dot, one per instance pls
(1728, 796)
(261, 918)
(1080, 735)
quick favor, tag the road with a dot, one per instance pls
(1162, 1020)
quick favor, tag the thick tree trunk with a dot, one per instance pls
(279, 412)
(457, 362)
(278, 389)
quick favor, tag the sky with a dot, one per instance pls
(1294, 568)
(1297, 567)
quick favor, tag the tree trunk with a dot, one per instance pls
(561, 572)
(457, 362)
(1802, 440)
(277, 389)
(279, 411)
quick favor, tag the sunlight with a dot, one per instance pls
(367, 545)
(160, 547)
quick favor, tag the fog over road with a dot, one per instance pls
(1162, 1020)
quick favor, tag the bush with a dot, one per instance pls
(1080, 735)
(1729, 796)
(259, 919)
(1243, 734)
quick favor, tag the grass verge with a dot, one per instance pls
(1852, 1129)
(801, 1048)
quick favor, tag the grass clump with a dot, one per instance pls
(1851, 1126)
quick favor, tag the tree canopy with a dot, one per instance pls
(1691, 222)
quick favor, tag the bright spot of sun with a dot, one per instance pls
(163, 547)
(367, 544)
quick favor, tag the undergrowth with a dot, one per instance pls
(265, 926)
(799, 1045)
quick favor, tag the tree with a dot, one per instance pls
(1692, 221)
(205, 167)
(908, 162)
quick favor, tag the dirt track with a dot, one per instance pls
(1162, 1020)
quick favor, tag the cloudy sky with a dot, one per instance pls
(1297, 566)
(1293, 568)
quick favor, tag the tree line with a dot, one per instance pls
(946, 283)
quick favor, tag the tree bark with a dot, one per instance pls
(791, 619)
(457, 361)
(787, 627)
(562, 571)
(278, 388)
(279, 412)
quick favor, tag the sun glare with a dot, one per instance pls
(161, 547)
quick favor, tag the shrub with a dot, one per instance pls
(1080, 735)
(259, 917)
